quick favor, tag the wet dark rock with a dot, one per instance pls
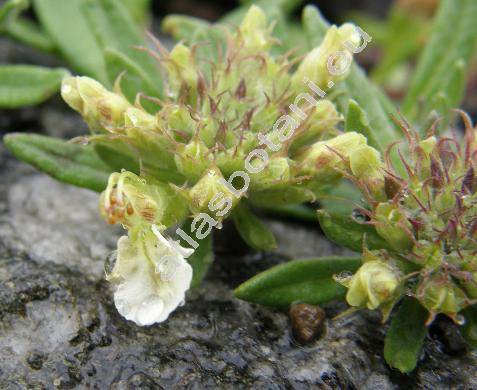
(59, 327)
(445, 331)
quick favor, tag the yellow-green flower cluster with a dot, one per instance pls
(240, 125)
(428, 217)
(232, 122)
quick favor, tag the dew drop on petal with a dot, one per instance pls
(459, 319)
(358, 216)
(344, 275)
(110, 262)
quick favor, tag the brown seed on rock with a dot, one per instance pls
(307, 321)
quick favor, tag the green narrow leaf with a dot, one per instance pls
(447, 97)
(133, 80)
(22, 85)
(140, 11)
(404, 339)
(453, 39)
(310, 281)
(406, 33)
(343, 230)
(357, 120)
(29, 33)
(67, 162)
(356, 86)
(115, 159)
(455, 89)
(66, 26)
(469, 329)
(21, 29)
(10, 10)
(314, 25)
(376, 105)
(341, 198)
(298, 212)
(202, 258)
(114, 28)
(251, 229)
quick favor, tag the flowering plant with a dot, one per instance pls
(228, 122)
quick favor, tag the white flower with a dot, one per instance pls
(151, 275)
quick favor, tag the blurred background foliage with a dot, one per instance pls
(400, 29)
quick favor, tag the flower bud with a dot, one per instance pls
(178, 118)
(323, 119)
(207, 191)
(426, 148)
(329, 62)
(181, 69)
(366, 165)
(470, 284)
(445, 202)
(100, 107)
(137, 117)
(374, 285)
(274, 174)
(192, 160)
(324, 158)
(438, 294)
(393, 225)
(254, 32)
(131, 200)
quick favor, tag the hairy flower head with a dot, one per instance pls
(426, 211)
(222, 100)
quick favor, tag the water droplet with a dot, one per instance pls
(459, 319)
(344, 275)
(110, 262)
(359, 216)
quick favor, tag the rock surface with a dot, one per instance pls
(59, 328)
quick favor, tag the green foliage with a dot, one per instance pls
(132, 77)
(29, 33)
(399, 37)
(252, 230)
(404, 339)
(440, 67)
(24, 85)
(116, 159)
(357, 120)
(75, 41)
(67, 162)
(310, 281)
(114, 29)
(99, 43)
(469, 329)
(297, 212)
(139, 10)
(10, 9)
(345, 231)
